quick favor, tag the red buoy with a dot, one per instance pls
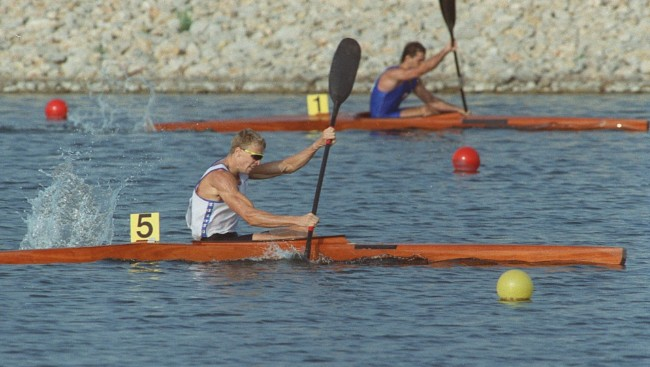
(56, 109)
(466, 160)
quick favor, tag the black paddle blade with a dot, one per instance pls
(448, 8)
(344, 70)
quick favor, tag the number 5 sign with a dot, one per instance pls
(145, 227)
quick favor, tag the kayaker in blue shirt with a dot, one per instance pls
(397, 82)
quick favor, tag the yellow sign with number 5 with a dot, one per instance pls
(145, 227)
(317, 104)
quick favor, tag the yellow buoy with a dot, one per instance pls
(515, 285)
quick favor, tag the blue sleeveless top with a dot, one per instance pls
(386, 104)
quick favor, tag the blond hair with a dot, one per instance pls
(245, 138)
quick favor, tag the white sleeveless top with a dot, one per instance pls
(207, 217)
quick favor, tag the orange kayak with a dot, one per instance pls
(329, 249)
(362, 121)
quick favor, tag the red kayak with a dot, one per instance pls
(362, 121)
(328, 249)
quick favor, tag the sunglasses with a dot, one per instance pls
(256, 156)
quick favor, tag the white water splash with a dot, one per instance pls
(147, 125)
(108, 117)
(275, 252)
(70, 213)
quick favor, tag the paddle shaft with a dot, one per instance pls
(460, 77)
(448, 9)
(321, 178)
(321, 175)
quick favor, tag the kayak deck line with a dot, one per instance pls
(487, 122)
(377, 246)
(363, 121)
(326, 249)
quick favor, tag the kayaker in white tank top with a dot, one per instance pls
(207, 217)
(219, 199)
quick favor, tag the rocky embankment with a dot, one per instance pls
(287, 46)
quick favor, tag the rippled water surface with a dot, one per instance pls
(533, 187)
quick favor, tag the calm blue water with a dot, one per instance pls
(79, 184)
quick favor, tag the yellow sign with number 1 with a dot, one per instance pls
(145, 227)
(317, 104)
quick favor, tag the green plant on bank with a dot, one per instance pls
(185, 20)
